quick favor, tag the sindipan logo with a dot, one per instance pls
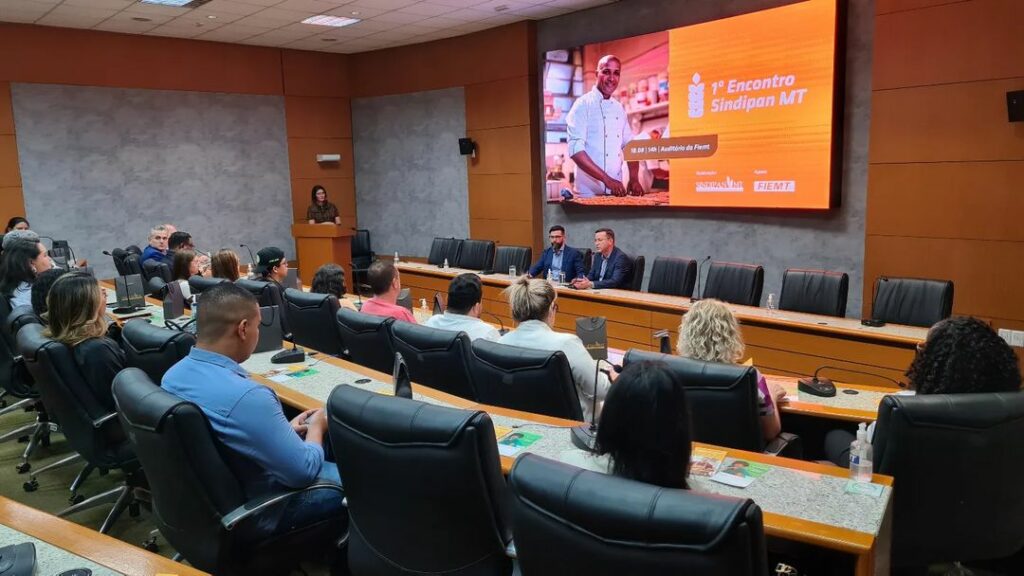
(727, 185)
(774, 185)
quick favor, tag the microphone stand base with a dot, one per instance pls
(584, 437)
(288, 357)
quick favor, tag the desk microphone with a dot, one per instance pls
(292, 356)
(696, 293)
(502, 330)
(825, 388)
(874, 322)
(664, 341)
(251, 257)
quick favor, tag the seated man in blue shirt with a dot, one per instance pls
(266, 452)
(558, 258)
(611, 267)
(157, 249)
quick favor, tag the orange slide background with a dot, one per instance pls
(789, 142)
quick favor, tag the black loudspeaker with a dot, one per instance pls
(467, 147)
(1015, 105)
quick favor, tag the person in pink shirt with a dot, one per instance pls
(383, 279)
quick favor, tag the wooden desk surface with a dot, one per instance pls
(87, 543)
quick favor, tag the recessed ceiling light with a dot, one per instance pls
(355, 12)
(142, 19)
(177, 3)
(212, 17)
(335, 21)
(328, 39)
(501, 8)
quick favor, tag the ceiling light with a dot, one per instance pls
(336, 21)
(212, 17)
(142, 19)
(177, 3)
(355, 12)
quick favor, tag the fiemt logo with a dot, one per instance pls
(774, 185)
(695, 99)
(727, 185)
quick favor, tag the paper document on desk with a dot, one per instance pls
(706, 461)
(514, 442)
(740, 473)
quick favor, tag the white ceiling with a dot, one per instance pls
(277, 23)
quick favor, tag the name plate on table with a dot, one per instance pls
(594, 333)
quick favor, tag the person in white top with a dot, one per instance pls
(598, 131)
(534, 307)
(463, 311)
(23, 261)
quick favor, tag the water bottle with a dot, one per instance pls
(512, 271)
(396, 257)
(551, 276)
(770, 304)
(861, 466)
(423, 304)
(445, 263)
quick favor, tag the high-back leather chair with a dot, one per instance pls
(960, 453)
(18, 386)
(366, 339)
(537, 381)
(311, 317)
(444, 248)
(436, 358)
(519, 256)
(88, 426)
(814, 292)
(424, 486)
(198, 502)
(362, 254)
(132, 264)
(734, 283)
(118, 255)
(476, 255)
(572, 521)
(198, 284)
(20, 316)
(673, 276)
(153, 269)
(636, 280)
(154, 349)
(267, 294)
(913, 301)
(588, 260)
(722, 397)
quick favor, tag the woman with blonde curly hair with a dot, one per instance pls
(710, 332)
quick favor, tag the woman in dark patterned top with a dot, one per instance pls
(321, 211)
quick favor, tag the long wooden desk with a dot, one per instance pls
(65, 545)
(784, 343)
(803, 501)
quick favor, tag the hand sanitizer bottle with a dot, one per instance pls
(861, 455)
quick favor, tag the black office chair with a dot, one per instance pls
(89, 428)
(636, 279)
(572, 521)
(153, 269)
(366, 339)
(814, 292)
(133, 264)
(519, 256)
(444, 249)
(673, 276)
(154, 349)
(536, 381)
(734, 283)
(978, 440)
(476, 255)
(362, 254)
(118, 255)
(424, 486)
(436, 358)
(588, 261)
(912, 301)
(267, 294)
(197, 284)
(311, 317)
(724, 403)
(198, 502)
(18, 386)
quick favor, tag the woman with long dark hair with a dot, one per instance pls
(321, 211)
(22, 262)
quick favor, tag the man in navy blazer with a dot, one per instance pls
(611, 267)
(558, 257)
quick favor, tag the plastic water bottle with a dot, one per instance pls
(512, 271)
(396, 257)
(770, 304)
(445, 263)
(551, 276)
(861, 466)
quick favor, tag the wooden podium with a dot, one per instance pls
(319, 244)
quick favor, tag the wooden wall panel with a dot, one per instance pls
(500, 196)
(502, 151)
(302, 157)
(315, 74)
(10, 172)
(965, 41)
(498, 104)
(509, 232)
(314, 117)
(340, 190)
(6, 110)
(986, 274)
(887, 6)
(945, 123)
(916, 200)
(91, 58)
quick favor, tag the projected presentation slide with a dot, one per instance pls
(733, 113)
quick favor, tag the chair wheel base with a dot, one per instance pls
(23, 467)
(31, 486)
(76, 499)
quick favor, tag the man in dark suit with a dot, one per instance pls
(558, 258)
(611, 267)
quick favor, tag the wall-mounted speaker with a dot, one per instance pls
(467, 147)
(1015, 105)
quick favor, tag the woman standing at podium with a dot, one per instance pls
(321, 211)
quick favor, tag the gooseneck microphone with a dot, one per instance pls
(697, 293)
(584, 436)
(251, 257)
(501, 330)
(825, 388)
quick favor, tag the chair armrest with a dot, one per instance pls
(785, 444)
(230, 520)
(103, 420)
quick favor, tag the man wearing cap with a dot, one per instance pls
(272, 266)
